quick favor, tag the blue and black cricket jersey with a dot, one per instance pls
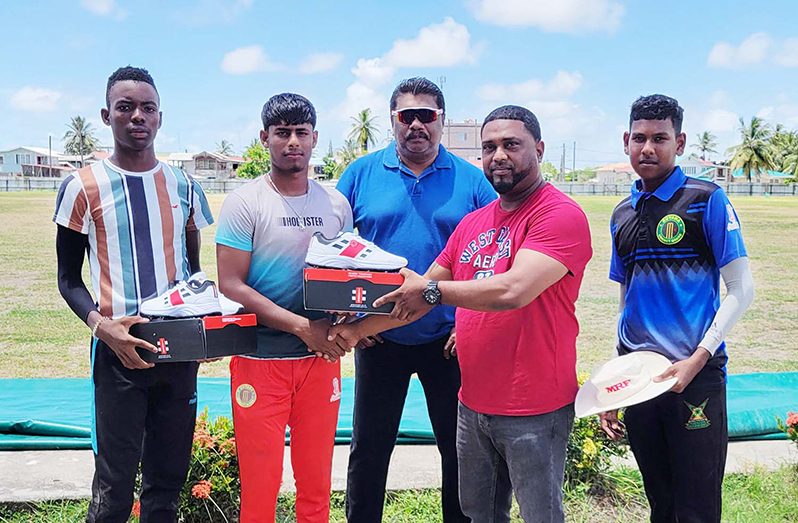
(667, 248)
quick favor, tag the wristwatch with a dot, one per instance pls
(431, 293)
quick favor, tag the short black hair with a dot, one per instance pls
(418, 85)
(137, 74)
(516, 112)
(288, 109)
(657, 107)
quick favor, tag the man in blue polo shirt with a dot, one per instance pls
(672, 241)
(408, 198)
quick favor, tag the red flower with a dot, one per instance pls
(792, 419)
(137, 508)
(202, 489)
(228, 445)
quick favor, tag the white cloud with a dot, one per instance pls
(246, 60)
(103, 8)
(320, 62)
(562, 16)
(373, 71)
(751, 51)
(37, 99)
(787, 56)
(438, 45)
(209, 12)
(562, 119)
(784, 111)
(446, 44)
(564, 84)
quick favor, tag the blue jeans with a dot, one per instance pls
(502, 455)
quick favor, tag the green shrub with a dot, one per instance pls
(212, 488)
(589, 457)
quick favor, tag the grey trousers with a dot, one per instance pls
(502, 455)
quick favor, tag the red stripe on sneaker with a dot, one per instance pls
(175, 298)
(352, 250)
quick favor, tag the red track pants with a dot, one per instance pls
(303, 394)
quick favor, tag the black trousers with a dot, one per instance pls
(382, 377)
(142, 416)
(680, 442)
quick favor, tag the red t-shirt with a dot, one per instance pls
(520, 362)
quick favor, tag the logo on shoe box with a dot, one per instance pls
(163, 348)
(359, 295)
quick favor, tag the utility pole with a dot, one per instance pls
(50, 155)
(562, 164)
(573, 162)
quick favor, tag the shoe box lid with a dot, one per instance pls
(348, 290)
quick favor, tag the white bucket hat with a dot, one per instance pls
(623, 381)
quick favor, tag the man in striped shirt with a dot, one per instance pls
(138, 219)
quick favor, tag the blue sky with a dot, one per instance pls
(578, 64)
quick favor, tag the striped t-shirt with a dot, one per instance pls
(136, 223)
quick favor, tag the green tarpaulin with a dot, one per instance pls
(56, 413)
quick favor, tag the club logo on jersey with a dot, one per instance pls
(670, 229)
(733, 224)
(246, 395)
(698, 420)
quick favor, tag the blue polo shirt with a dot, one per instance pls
(414, 217)
(667, 248)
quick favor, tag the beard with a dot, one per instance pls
(504, 186)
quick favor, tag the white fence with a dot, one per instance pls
(16, 184)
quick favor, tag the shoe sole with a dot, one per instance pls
(336, 262)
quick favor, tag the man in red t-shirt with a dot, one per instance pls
(513, 270)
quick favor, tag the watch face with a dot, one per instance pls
(432, 295)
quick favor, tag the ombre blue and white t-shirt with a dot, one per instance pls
(277, 231)
(667, 249)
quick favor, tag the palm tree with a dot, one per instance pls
(224, 148)
(346, 155)
(755, 153)
(79, 138)
(786, 152)
(706, 143)
(364, 130)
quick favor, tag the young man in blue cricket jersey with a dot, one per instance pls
(673, 239)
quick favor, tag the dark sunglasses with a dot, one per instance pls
(424, 114)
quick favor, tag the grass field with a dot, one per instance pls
(757, 497)
(40, 337)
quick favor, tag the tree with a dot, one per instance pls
(330, 166)
(785, 146)
(256, 161)
(549, 171)
(346, 155)
(224, 148)
(706, 144)
(755, 152)
(79, 138)
(364, 130)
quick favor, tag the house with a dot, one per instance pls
(210, 165)
(691, 166)
(621, 172)
(463, 139)
(35, 161)
(704, 169)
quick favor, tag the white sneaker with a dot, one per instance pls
(226, 305)
(196, 296)
(229, 306)
(350, 251)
